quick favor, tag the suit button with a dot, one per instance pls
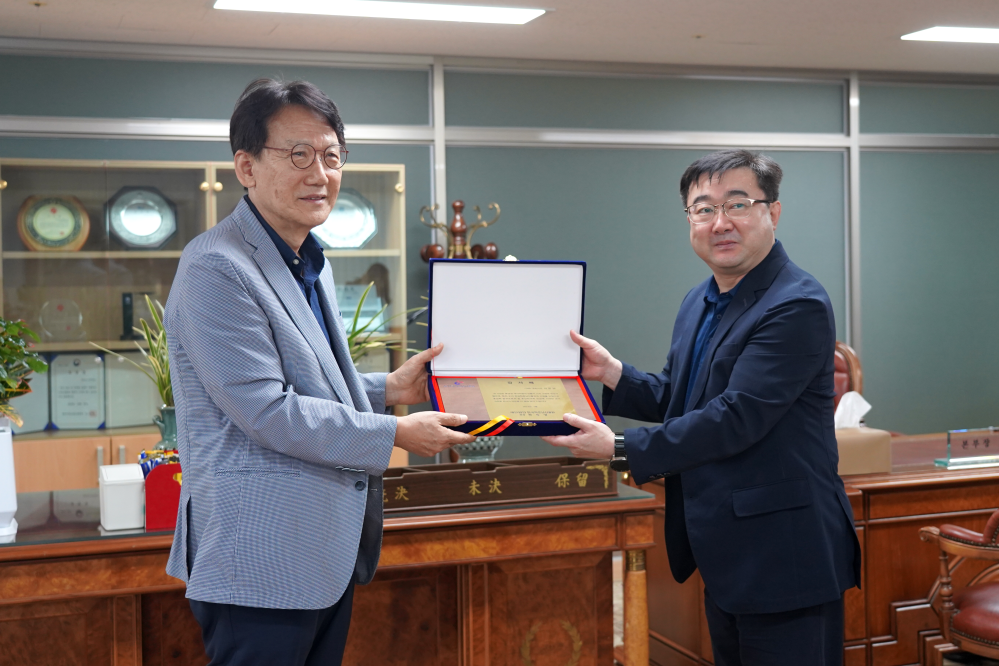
(359, 485)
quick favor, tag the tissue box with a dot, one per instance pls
(121, 496)
(863, 450)
(508, 361)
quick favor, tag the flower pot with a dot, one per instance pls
(167, 423)
(8, 489)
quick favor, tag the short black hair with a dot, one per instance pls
(265, 97)
(768, 172)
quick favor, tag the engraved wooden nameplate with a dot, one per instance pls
(498, 482)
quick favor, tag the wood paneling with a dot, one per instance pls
(134, 445)
(854, 601)
(405, 613)
(85, 576)
(62, 633)
(531, 580)
(553, 610)
(499, 542)
(888, 622)
(855, 655)
(127, 630)
(58, 463)
(900, 567)
(942, 499)
(68, 460)
(170, 634)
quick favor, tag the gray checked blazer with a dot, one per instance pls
(282, 443)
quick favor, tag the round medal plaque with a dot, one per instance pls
(53, 223)
(141, 217)
(61, 320)
(351, 223)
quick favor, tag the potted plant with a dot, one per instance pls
(157, 368)
(17, 363)
(364, 338)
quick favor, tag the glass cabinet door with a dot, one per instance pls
(82, 244)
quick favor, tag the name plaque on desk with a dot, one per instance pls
(77, 391)
(496, 482)
(971, 449)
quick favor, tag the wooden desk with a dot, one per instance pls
(523, 585)
(889, 621)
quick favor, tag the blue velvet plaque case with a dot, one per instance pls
(506, 319)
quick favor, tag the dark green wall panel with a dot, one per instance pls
(938, 109)
(620, 211)
(516, 100)
(930, 290)
(147, 89)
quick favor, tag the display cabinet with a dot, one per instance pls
(82, 242)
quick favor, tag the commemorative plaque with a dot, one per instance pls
(351, 223)
(53, 224)
(141, 217)
(514, 370)
(60, 320)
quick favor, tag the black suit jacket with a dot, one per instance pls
(753, 497)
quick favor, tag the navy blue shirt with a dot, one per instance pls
(305, 266)
(717, 304)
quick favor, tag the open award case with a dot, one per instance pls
(508, 362)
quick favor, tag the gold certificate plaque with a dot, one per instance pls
(53, 223)
(526, 399)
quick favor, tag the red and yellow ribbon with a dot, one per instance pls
(496, 426)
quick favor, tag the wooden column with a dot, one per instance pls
(127, 628)
(636, 610)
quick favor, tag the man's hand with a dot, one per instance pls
(408, 384)
(594, 439)
(598, 364)
(424, 434)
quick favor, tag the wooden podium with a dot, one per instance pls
(529, 585)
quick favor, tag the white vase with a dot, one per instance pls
(8, 489)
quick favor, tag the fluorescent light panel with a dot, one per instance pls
(421, 11)
(948, 34)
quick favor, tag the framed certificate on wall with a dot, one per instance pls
(130, 398)
(33, 407)
(77, 391)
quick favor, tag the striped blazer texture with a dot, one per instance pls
(282, 442)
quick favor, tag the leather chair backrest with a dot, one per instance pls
(847, 374)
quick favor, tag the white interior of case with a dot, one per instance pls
(506, 319)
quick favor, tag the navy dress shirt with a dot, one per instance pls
(717, 304)
(305, 266)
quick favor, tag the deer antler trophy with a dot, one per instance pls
(459, 236)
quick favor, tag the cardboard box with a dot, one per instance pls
(863, 450)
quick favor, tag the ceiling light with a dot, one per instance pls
(383, 9)
(945, 34)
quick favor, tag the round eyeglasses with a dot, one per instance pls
(303, 155)
(735, 209)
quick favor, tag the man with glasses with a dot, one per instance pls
(743, 433)
(282, 442)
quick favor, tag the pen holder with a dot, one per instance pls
(162, 497)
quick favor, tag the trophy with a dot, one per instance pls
(459, 235)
